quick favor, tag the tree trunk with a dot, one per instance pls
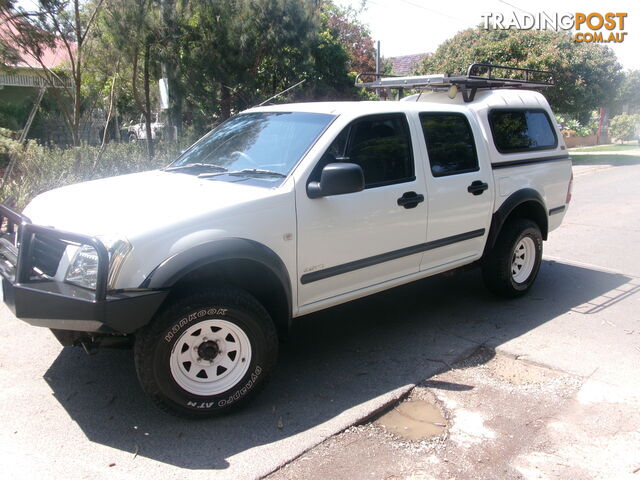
(147, 102)
(105, 133)
(225, 102)
(77, 94)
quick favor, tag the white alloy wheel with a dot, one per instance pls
(523, 260)
(210, 357)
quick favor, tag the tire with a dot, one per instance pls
(133, 138)
(207, 353)
(513, 264)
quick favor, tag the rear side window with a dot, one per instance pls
(522, 130)
(450, 143)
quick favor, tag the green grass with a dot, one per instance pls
(606, 148)
(613, 159)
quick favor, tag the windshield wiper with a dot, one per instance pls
(257, 171)
(202, 166)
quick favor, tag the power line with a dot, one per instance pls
(417, 5)
(513, 6)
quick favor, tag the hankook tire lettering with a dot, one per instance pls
(191, 317)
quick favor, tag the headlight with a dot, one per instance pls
(83, 270)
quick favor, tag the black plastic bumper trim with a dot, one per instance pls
(561, 209)
(66, 307)
(529, 161)
(385, 257)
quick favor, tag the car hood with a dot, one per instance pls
(138, 204)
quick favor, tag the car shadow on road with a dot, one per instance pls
(335, 360)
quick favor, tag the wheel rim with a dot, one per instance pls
(523, 260)
(210, 357)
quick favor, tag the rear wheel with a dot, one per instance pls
(207, 353)
(513, 264)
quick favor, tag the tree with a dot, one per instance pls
(625, 127)
(353, 35)
(59, 25)
(236, 52)
(628, 98)
(128, 33)
(222, 56)
(587, 74)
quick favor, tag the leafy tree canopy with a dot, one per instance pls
(629, 93)
(587, 74)
(353, 35)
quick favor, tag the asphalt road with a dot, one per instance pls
(65, 414)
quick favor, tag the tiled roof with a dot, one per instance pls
(51, 57)
(406, 64)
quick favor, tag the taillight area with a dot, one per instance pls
(569, 190)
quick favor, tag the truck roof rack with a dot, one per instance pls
(479, 76)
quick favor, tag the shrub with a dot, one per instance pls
(624, 127)
(40, 168)
(8, 146)
(576, 128)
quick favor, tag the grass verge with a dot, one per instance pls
(607, 148)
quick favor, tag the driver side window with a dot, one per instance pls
(379, 144)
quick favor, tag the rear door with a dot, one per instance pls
(460, 188)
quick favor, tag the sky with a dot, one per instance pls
(416, 26)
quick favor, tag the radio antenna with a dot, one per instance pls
(282, 92)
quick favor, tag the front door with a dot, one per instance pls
(353, 241)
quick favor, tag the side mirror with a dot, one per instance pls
(337, 179)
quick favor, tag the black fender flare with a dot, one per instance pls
(174, 268)
(508, 206)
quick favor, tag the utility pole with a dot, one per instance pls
(378, 57)
(168, 74)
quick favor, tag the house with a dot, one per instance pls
(23, 86)
(406, 64)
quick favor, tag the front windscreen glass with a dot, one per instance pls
(262, 146)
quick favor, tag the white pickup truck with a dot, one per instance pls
(138, 131)
(279, 212)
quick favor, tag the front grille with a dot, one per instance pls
(46, 254)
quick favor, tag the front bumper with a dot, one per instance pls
(41, 301)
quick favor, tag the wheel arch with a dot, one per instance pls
(237, 262)
(525, 203)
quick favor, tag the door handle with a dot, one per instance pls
(410, 200)
(477, 187)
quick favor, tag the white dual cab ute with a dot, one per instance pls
(286, 210)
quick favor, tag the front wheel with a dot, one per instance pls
(206, 353)
(513, 264)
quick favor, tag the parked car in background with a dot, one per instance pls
(138, 131)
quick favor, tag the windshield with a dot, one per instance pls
(266, 145)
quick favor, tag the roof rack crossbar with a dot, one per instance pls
(479, 76)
